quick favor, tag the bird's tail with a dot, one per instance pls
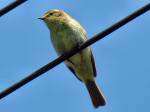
(95, 94)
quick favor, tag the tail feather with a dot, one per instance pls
(95, 94)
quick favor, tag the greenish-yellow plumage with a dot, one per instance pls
(66, 34)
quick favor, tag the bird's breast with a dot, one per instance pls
(65, 39)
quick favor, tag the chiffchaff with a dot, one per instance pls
(66, 34)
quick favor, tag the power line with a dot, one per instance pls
(11, 6)
(74, 51)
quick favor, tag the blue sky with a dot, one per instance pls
(122, 58)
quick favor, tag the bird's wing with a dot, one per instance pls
(78, 26)
(92, 57)
(93, 63)
(69, 63)
(81, 29)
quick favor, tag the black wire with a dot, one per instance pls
(11, 6)
(74, 51)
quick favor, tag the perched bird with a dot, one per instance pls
(66, 34)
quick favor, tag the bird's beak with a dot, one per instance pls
(41, 18)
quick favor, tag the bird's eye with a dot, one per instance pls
(50, 13)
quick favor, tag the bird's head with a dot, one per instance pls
(53, 16)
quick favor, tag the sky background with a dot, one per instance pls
(122, 58)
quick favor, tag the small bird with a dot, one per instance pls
(66, 34)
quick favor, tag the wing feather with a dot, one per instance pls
(93, 64)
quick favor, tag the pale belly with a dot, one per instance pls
(66, 41)
(81, 62)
